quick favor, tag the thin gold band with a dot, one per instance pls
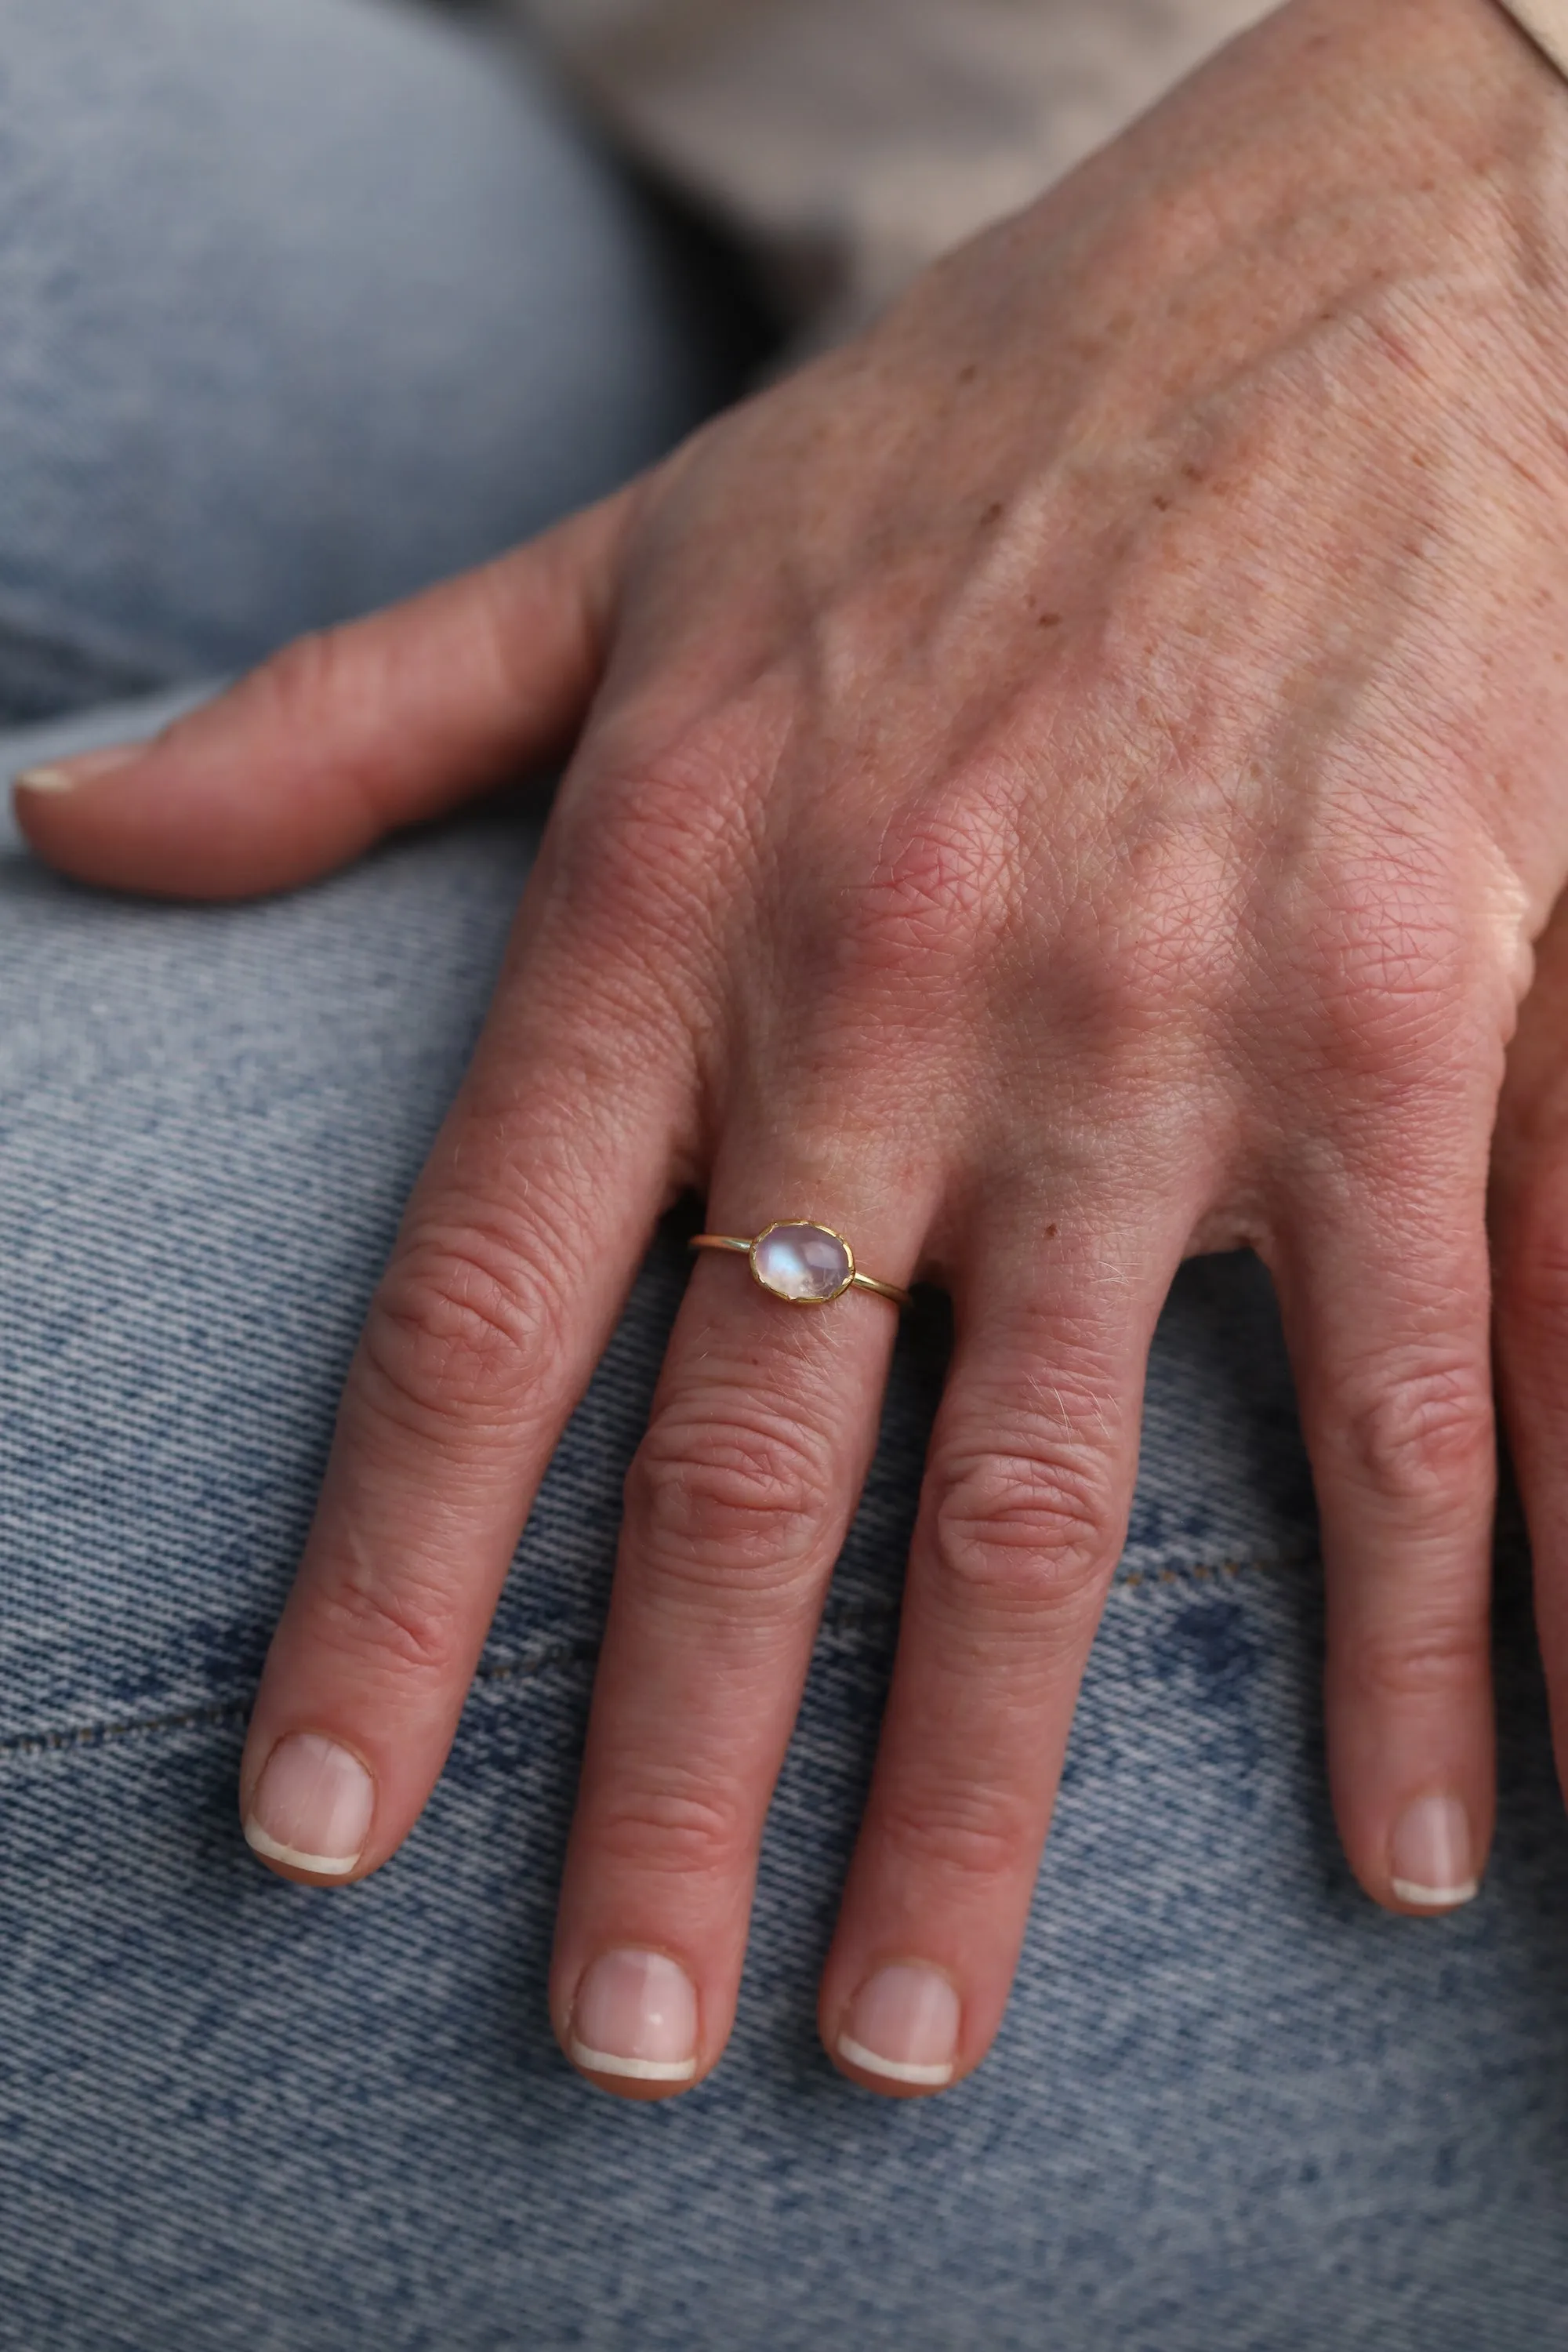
(858, 1281)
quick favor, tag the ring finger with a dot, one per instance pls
(737, 1507)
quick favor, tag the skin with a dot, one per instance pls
(1071, 781)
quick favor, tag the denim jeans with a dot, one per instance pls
(1234, 2108)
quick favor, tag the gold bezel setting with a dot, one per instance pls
(808, 1225)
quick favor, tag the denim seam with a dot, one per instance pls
(1210, 1572)
(577, 1653)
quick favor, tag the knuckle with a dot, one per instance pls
(459, 1333)
(639, 857)
(342, 669)
(1385, 1031)
(1022, 1534)
(1421, 1436)
(408, 1625)
(671, 1825)
(1426, 1660)
(963, 1836)
(304, 675)
(729, 1495)
(640, 876)
(1395, 970)
(937, 893)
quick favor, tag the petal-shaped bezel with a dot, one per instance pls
(807, 1225)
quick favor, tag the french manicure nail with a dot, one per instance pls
(903, 2025)
(636, 2016)
(312, 1806)
(65, 775)
(1431, 1860)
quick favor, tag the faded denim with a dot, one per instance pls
(1234, 2108)
(302, 303)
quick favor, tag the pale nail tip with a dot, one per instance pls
(43, 780)
(326, 1865)
(868, 2061)
(1436, 1898)
(633, 2070)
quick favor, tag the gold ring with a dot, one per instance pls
(804, 1263)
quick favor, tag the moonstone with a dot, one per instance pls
(803, 1263)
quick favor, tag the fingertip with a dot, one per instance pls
(58, 807)
(901, 2032)
(309, 1813)
(638, 2090)
(633, 2026)
(1434, 1858)
(1412, 1900)
(54, 779)
(182, 815)
(1429, 1860)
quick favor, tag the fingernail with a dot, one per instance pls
(903, 2024)
(65, 775)
(636, 2015)
(312, 1806)
(1432, 1862)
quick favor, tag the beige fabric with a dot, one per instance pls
(855, 139)
(1547, 23)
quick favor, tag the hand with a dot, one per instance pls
(1069, 781)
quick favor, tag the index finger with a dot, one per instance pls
(521, 1243)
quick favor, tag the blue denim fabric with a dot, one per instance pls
(1234, 2108)
(302, 303)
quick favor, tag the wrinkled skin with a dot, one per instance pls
(1071, 780)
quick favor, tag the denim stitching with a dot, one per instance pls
(1210, 1572)
(863, 1615)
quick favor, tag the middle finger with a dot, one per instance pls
(1024, 1514)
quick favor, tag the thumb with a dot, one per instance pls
(348, 734)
